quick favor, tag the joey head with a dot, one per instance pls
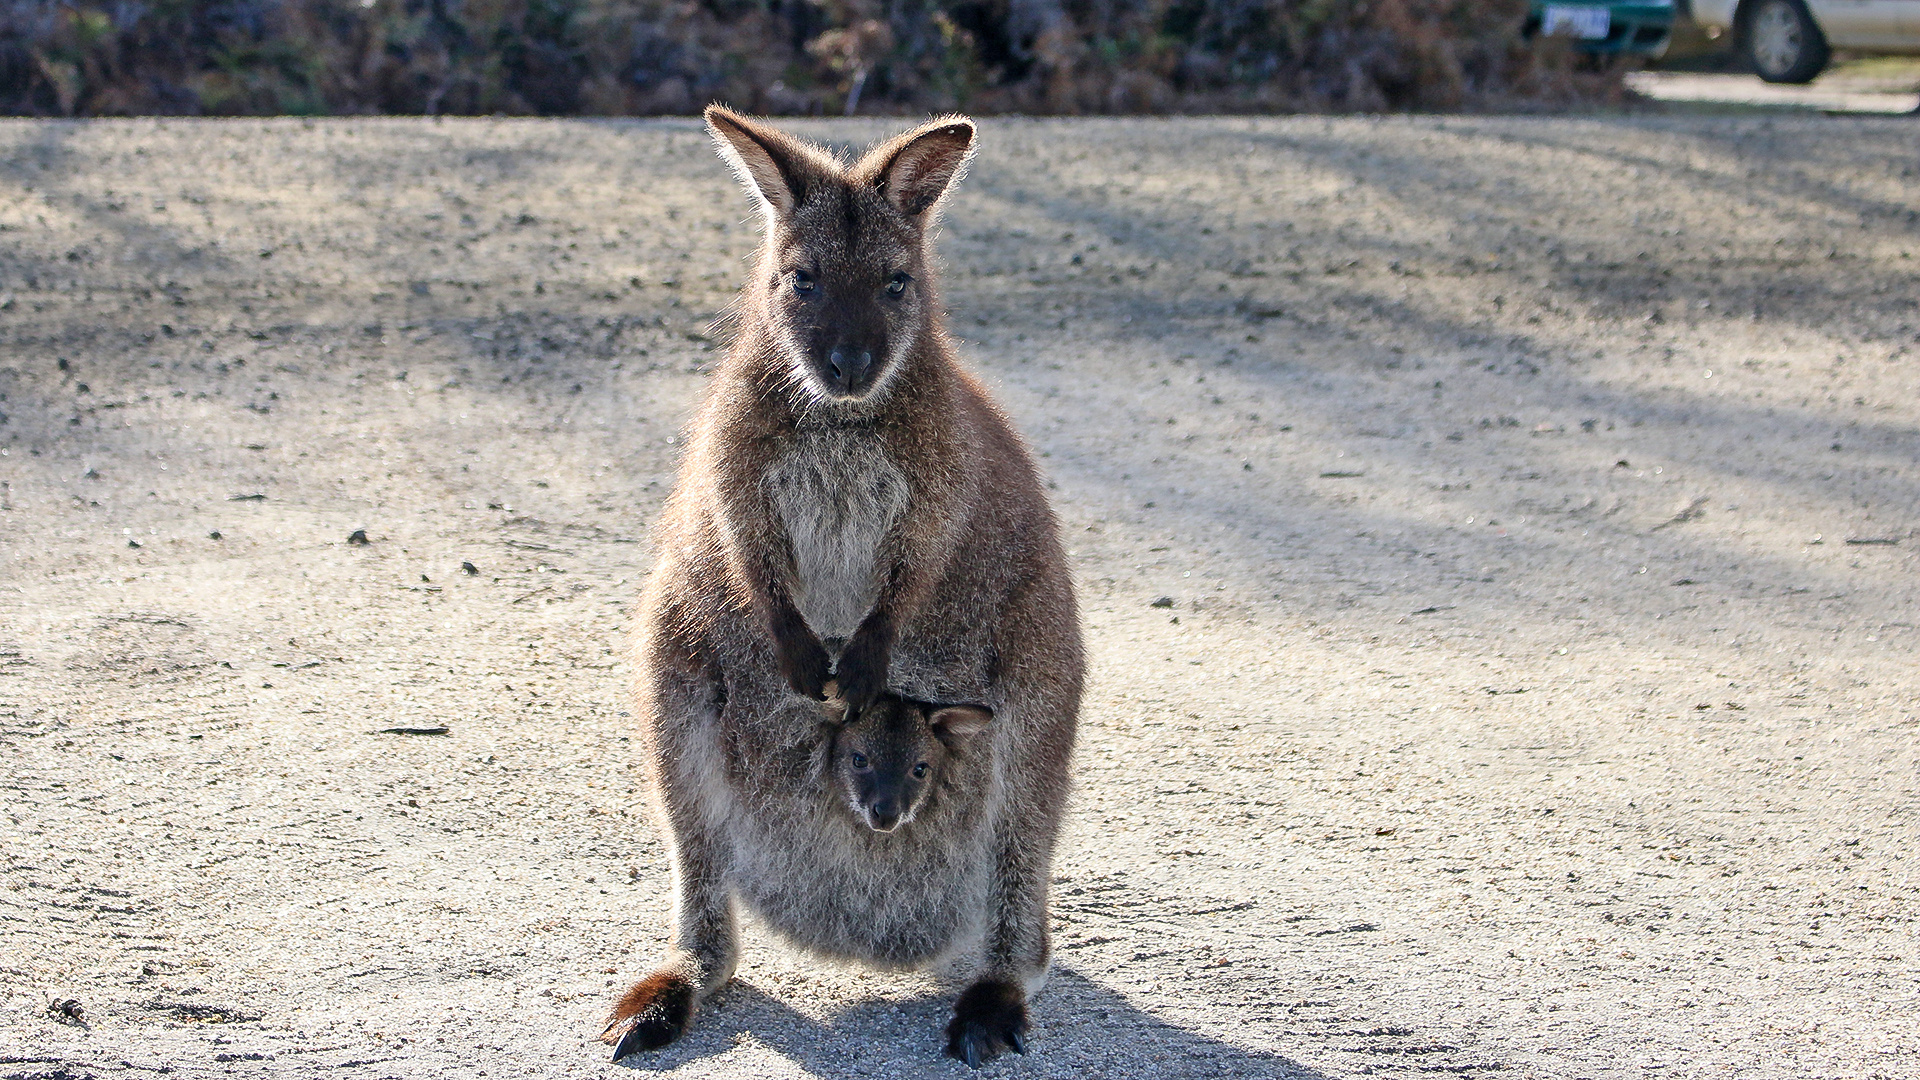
(891, 757)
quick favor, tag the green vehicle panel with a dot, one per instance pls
(1640, 29)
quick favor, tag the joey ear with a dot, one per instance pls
(915, 171)
(775, 167)
(960, 719)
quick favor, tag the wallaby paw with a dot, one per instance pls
(655, 1012)
(989, 1018)
(862, 673)
(806, 665)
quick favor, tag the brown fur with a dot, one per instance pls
(854, 507)
(639, 997)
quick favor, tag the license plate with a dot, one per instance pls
(1586, 23)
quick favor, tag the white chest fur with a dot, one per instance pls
(837, 494)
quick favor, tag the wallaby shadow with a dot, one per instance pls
(1082, 1030)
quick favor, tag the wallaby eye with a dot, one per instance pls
(898, 284)
(920, 771)
(859, 760)
(802, 281)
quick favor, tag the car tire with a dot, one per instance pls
(1780, 41)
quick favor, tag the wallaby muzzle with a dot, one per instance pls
(883, 815)
(849, 370)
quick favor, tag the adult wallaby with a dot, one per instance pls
(853, 506)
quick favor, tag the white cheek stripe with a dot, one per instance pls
(895, 360)
(805, 374)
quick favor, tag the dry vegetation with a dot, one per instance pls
(804, 57)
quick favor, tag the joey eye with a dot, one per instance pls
(802, 281)
(897, 284)
(920, 771)
(858, 759)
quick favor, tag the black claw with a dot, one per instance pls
(633, 1042)
(655, 1012)
(990, 1016)
(651, 1033)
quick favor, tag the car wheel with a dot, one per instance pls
(1782, 42)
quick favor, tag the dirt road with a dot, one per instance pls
(1839, 92)
(1497, 541)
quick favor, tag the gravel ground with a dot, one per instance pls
(1497, 541)
(1834, 93)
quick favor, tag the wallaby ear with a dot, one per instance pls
(960, 719)
(773, 166)
(916, 170)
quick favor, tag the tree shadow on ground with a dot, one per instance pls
(1082, 1030)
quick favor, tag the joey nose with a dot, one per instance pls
(884, 815)
(850, 366)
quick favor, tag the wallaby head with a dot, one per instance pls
(888, 758)
(844, 286)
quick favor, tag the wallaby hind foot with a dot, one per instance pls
(654, 1013)
(990, 1017)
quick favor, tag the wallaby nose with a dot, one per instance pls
(850, 366)
(884, 815)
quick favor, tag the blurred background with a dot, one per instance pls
(800, 57)
(849, 57)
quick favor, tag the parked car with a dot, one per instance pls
(1606, 27)
(1790, 41)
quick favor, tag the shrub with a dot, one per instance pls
(636, 57)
